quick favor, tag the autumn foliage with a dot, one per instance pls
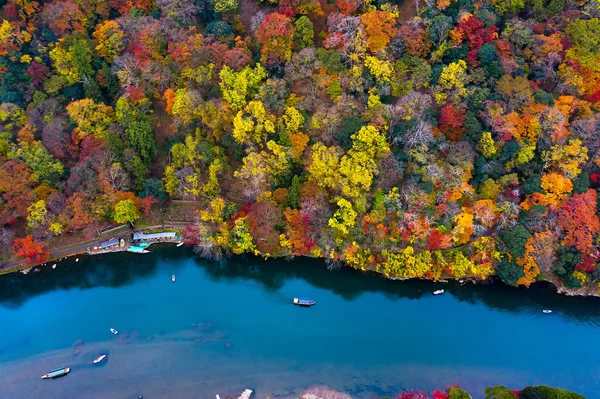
(30, 250)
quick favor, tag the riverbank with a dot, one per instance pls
(87, 247)
(82, 249)
(590, 289)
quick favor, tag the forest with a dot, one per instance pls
(420, 139)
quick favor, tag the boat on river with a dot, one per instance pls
(173, 278)
(99, 359)
(112, 330)
(137, 249)
(180, 244)
(59, 372)
(438, 292)
(546, 311)
(304, 302)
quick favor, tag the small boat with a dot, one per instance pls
(54, 266)
(99, 359)
(180, 244)
(438, 292)
(547, 311)
(112, 330)
(173, 278)
(304, 302)
(76, 260)
(59, 372)
(246, 394)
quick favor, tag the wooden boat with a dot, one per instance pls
(547, 311)
(59, 372)
(304, 302)
(438, 292)
(99, 359)
(173, 278)
(112, 330)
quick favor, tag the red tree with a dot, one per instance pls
(275, 34)
(451, 120)
(474, 30)
(579, 221)
(31, 250)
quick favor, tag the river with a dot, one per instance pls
(223, 327)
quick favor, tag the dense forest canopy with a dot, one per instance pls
(420, 139)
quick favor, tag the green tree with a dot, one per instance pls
(499, 392)
(515, 240)
(458, 393)
(154, 188)
(585, 35)
(304, 32)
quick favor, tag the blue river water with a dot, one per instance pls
(223, 327)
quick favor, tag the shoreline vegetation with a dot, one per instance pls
(455, 392)
(207, 250)
(435, 140)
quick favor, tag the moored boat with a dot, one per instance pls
(58, 372)
(112, 330)
(304, 302)
(180, 244)
(99, 359)
(438, 292)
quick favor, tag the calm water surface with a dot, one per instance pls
(224, 327)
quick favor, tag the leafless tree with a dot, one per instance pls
(208, 250)
(6, 238)
(48, 108)
(179, 10)
(56, 203)
(55, 137)
(421, 134)
(118, 178)
(256, 20)
(390, 172)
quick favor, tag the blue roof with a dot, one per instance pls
(135, 248)
(109, 243)
(142, 236)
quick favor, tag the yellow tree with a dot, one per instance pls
(110, 40)
(238, 87)
(344, 218)
(451, 84)
(253, 124)
(91, 118)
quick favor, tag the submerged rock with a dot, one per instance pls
(323, 392)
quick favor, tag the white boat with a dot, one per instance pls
(173, 278)
(99, 359)
(547, 311)
(438, 292)
(180, 244)
(76, 260)
(112, 330)
(54, 266)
